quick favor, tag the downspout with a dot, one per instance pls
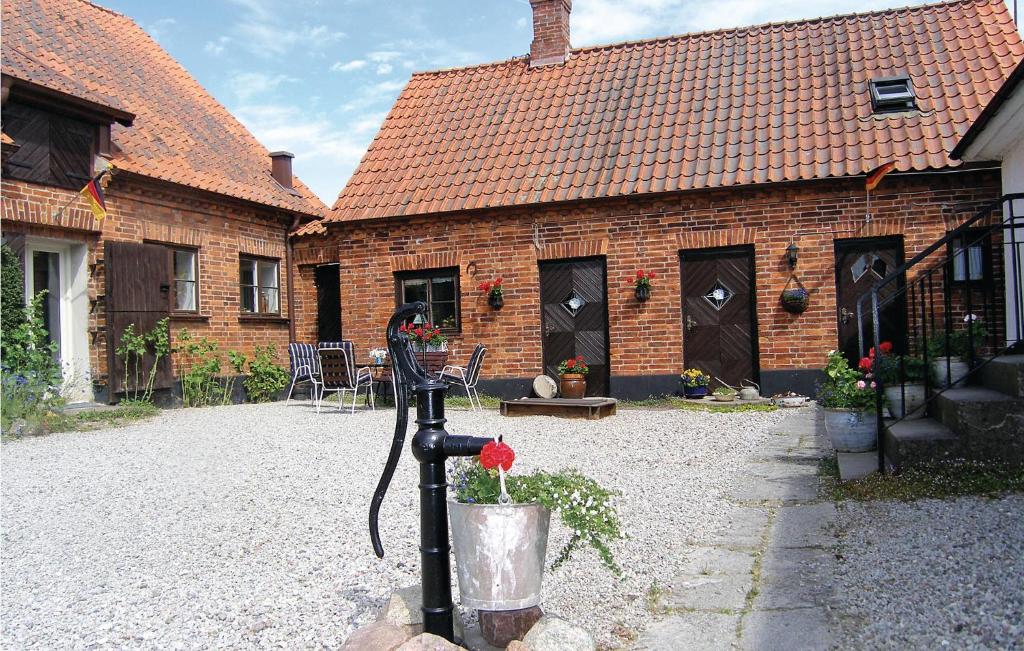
(288, 275)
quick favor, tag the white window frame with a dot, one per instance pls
(255, 288)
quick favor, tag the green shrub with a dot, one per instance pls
(133, 350)
(31, 375)
(12, 294)
(199, 385)
(266, 379)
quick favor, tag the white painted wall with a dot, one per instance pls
(1013, 181)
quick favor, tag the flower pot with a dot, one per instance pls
(499, 553)
(953, 374)
(851, 430)
(695, 392)
(795, 301)
(496, 301)
(912, 394)
(643, 292)
(572, 385)
(724, 398)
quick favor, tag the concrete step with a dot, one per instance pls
(1005, 375)
(919, 442)
(989, 423)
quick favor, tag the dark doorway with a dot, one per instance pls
(574, 318)
(719, 325)
(328, 302)
(860, 263)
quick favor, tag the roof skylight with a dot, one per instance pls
(891, 94)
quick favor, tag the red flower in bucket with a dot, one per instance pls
(865, 364)
(496, 454)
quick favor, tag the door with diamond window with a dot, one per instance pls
(719, 327)
(574, 318)
(860, 263)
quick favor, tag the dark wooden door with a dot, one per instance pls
(137, 292)
(719, 326)
(574, 318)
(861, 263)
(328, 302)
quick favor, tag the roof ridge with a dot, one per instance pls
(102, 8)
(724, 30)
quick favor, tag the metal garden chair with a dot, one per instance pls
(339, 374)
(467, 376)
(305, 366)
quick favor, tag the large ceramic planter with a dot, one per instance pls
(851, 430)
(695, 392)
(952, 374)
(499, 553)
(572, 385)
(906, 402)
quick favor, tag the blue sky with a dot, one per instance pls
(317, 77)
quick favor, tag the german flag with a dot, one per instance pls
(875, 175)
(93, 193)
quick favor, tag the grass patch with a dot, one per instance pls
(462, 402)
(127, 411)
(952, 478)
(673, 402)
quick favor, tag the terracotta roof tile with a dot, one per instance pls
(180, 132)
(776, 102)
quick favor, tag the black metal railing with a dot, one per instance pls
(962, 305)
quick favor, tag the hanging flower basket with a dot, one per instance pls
(642, 284)
(495, 297)
(795, 299)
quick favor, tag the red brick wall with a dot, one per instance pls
(141, 210)
(646, 339)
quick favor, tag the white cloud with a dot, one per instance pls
(266, 30)
(383, 56)
(246, 85)
(521, 23)
(384, 69)
(160, 28)
(355, 64)
(216, 48)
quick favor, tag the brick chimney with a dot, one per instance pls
(281, 167)
(550, 32)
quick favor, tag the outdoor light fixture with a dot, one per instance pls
(792, 253)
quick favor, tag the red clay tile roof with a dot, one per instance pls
(180, 133)
(776, 102)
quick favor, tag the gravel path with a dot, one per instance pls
(245, 526)
(932, 574)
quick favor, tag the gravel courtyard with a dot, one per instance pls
(245, 526)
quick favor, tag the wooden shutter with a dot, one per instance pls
(137, 292)
(31, 130)
(70, 152)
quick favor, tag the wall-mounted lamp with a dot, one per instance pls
(792, 254)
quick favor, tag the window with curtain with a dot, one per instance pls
(970, 258)
(186, 280)
(439, 289)
(260, 285)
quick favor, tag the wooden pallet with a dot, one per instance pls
(589, 408)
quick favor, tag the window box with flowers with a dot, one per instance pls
(493, 291)
(572, 377)
(642, 285)
(695, 383)
(425, 338)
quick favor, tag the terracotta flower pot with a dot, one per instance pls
(572, 385)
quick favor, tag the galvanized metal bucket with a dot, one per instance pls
(499, 553)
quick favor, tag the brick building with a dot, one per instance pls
(198, 210)
(702, 157)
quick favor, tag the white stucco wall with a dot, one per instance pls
(1013, 181)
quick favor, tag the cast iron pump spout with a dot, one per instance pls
(431, 446)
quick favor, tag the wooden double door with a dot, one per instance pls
(574, 318)
(719, 324)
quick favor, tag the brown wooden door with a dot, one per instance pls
(719, 328)
(860, 263)
(328, 302)
(574, 318)
(137, 292)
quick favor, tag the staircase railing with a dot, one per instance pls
(961, 299)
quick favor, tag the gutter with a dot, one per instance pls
(296, 220)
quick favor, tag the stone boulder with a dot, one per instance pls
(555, 634)
(429, 642)
(378, 636)
(404, 609)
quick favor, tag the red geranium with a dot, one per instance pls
(865, 364)
(571, 363)
(643, 278)
(496, 453)
(491, 288)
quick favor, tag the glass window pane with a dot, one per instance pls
(248, 272)
(443, 314)
(268, 300)
(268, 273)
(414, 290)
(184, 265)
(443, 289)
(248, 298)
(958, 261)
(974, 261)
(185, 292)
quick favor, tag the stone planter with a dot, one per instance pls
(496, 301)
(572, 385)
(695, 392)
(499, 553)
(951, 375)
(912, 394)
(643, 293)
(851, 430)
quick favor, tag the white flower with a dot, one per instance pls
(971, 317)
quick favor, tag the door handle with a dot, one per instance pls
(845, 315)
(690, 323)
(164, 288)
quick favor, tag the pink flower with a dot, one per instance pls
(860, 384)
(874, 386)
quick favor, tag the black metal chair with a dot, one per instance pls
(467, 376)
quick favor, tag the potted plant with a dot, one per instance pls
(500, 526)
(695, 383)
(493, 291)
(724, 394)
(378, 355)
(642, 284)
(950, 355)
(795, 300)
(572, 376)
(426, 337)
(902, 378)
(848, 399)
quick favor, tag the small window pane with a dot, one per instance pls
(268, 299)
(414, 290)
(184, 265)
(248, 299)
(974, 260)
(443, 314)
(268, 274)
(248, 272)
(185, 293)
(443, 289)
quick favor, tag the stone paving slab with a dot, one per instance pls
(855, 465)
(745, 528)
(794, 578)
(803, 629)
(718, 560)
(690, 631)
(808, 525)
(788, 490)
(710, 592)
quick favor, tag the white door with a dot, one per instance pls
(61, 268)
